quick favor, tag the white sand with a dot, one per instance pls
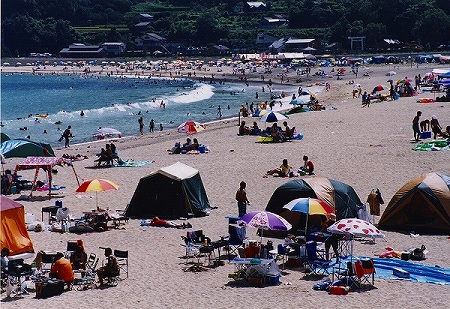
(365, 147)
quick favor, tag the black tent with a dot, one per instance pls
(342, 197)
(172, 192)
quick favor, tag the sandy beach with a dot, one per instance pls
(367, 148)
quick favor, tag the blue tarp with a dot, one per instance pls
(418, 272)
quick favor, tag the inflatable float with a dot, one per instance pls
(425, 100)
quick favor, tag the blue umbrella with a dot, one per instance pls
(273, 117)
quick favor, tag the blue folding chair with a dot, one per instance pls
(317, 265)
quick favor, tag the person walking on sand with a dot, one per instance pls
(141, 125)
(66, 135)
(241, 198)
(415, 126)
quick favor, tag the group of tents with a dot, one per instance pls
(421, 205)
(176, 191)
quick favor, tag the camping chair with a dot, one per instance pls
(365, 272)
(317, 265)
(347, 273)
(17, 275)
(122, 260)
(237, 236)
(192, 249)
(87, 281)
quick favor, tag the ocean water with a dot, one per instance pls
(31, 104)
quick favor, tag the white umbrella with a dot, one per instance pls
(273, 117)
(102, 132)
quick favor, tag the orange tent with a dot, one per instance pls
(13, 231)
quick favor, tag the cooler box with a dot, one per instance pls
(272, 279)
(49, 288)
(425, 135)
(202, 149)
(58, 203)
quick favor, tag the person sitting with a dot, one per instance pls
(276, 133)
(157, 222)
(110, 269)
(308, 166)
(187, 145)
(287, 131)
(105, 155)
(255, 130)
(4, 259)
(7, 182)
(62, 269)
(446, 134)
(243, 129)
(79, 257)
(115, 153)
(194, 145)
(285, 170)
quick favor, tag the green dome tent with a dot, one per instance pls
(421, 205)
(172, 192)
(340, 196)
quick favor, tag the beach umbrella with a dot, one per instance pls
(265, 220)
(191, 127)
(309, 206)
(379, 88)
(97, 185)
(102, 132)
(273, 117)
(298, 101)
(353, 227)
(259, 113)
(22, 148)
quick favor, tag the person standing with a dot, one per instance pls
(141, 125)
(219, 112)
(66, 135)
(241, 198)
(415, 126)
(152, 125)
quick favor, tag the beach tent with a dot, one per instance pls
(13, 233)
(340, 196)
(421, 205)
(172, 192)
(47, 164)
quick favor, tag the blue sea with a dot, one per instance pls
(31, 103)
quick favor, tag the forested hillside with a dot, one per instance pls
(49, 25)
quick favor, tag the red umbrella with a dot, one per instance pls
(97, 185)
(191, 127)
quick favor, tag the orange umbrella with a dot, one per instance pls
(97, 185)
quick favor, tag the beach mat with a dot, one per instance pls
(133, 163)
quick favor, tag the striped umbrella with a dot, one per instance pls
(97, 185)
(309, 206)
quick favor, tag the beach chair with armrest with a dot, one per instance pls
(122, 260)
(365, 272)
(317, 265)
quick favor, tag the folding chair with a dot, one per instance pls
(365, 272)
(122, 260)
(17, 275)
(316, 264)
(237, 236)
(87, 281)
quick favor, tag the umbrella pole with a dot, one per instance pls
(96, 200)
(306, 225)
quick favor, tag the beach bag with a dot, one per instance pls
(418, 254)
